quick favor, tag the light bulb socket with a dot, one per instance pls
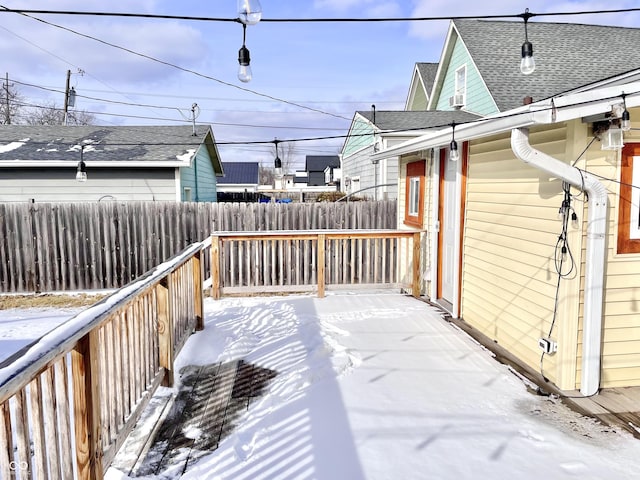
(277, 163)
(244, 58)
(527, 49)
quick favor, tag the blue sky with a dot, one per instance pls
(336, 68)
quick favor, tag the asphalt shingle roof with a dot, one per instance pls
(317, 163)
(428, 73)
(567, 56)
(414, 120)
(137, 143)
(243, 173)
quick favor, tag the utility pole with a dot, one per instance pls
(7, 113)
(66, 97)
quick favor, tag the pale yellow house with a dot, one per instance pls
(562, 296)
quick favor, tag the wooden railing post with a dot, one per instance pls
(86, 401)
(165, 330)
(198, 280)
(321, 255)
(215, 267)
(415, 277)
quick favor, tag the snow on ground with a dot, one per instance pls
(19, 327)
(379, 386)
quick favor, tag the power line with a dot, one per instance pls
(25, 12)
(172, 65)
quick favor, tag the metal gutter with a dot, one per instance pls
(596, 249)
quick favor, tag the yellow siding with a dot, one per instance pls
(511, 228)
(621, 309)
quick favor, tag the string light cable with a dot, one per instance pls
(25, 11)
(178, 67)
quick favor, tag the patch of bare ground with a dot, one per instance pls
(49, 300)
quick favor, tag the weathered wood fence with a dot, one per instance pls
(68, 402)
(61, 247)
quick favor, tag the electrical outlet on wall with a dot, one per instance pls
(547, 345)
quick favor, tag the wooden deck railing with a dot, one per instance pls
(68, 402)
(290, 261)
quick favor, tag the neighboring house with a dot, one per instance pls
(142, 163)
(322, 170)
(373, 131)
(495, 254)
(239, 177)
(424, 75)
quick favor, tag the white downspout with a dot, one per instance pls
(596, 249)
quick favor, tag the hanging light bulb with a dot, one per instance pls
(81, 171)
(244, 59)
(277, 163)
(249, 11)
(626, 118)
(454, 154)
(527, 63)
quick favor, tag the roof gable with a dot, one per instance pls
(422, 81)
(560, 50)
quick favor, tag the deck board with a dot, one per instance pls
(208, 404)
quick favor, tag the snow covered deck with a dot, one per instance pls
(368, 385)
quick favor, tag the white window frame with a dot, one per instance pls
(461, 81)
(413, 196)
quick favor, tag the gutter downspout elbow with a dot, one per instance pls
(595, 253)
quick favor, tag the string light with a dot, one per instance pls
(527, 63)
(277, 163)
(454, 154)
(244, 59)
(81, 172)
(626, 118)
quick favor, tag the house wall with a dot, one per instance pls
(621, 322)
(478, 99)
(428, 228)
(359, 165)
(59, 185)
(419, 101)
(200, 178)
(508, 272)
(360, 136)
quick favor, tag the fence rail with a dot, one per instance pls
(257, 262)
(73, 246)
(68, 402)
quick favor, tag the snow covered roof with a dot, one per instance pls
(107, 146)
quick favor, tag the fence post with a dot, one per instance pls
(215, 267)
(86, 401)
(198, 280)
(415, 277)
(165, 330)
(321, 254)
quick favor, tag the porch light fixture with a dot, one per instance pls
(277, 163)
(244, 59)
(249, 11)
(527, 63)
(81, 171)
(454, 154)
(626, 118)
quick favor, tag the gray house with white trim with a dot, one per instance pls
(124, 163)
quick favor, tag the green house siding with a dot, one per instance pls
(478, 98)
(204, 189)
(361, 136)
